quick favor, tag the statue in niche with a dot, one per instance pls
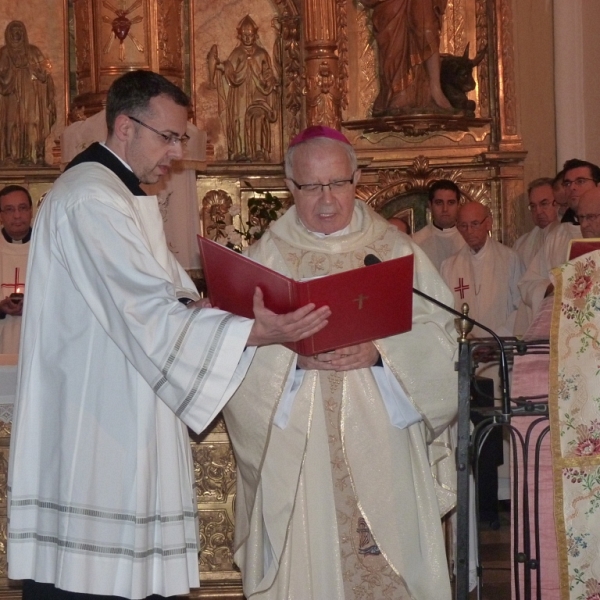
(248, 91)
(27, 107)
(322, 104)
(407, 33)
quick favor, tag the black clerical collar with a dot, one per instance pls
(96, 152)
(25, 240)
(569, 217)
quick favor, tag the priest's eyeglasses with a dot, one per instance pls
(543, 205)
(314, 189)
(464, 226)
(169, 138)
(567, 183)
(592, 217)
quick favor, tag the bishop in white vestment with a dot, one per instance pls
(336, 497)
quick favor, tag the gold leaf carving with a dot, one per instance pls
(3, 478)
(216, 541)
(343, 64)
(481, 34)
(170, 43)
(215, 214)
(292, 68)
(508, 68)
(214, 466)
(367, 60)
(3, 562)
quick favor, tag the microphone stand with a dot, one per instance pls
(463, 448)
(505, 393)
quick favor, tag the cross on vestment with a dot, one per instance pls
(461, 287)
(360, 299)
(17, 285)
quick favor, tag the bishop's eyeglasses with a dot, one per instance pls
(169, 138)
(315, 189)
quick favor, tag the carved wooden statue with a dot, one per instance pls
(407, 33)
(27, 107)
(248, 94)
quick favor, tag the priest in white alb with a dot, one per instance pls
(579, 177)
(484, 274)
(113, 369)
(544, 214)
(335, 452)
(440, 239)
(16, 212)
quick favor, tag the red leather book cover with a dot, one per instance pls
(578, 247)
(366, 304)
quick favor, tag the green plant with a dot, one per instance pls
(262, 210)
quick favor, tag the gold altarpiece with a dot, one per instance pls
(321, 68)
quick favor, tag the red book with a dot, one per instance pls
(366, 304)
(578, 247)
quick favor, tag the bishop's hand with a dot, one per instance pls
(270, 328)
(359, 356)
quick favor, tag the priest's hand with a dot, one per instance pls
(9, 306)
(202, 303)
(360, 356)
(270, 328)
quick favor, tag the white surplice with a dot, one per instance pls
(553, 253)
(287, 526)
(528, 245)
(487, 282)
(438, 244)
(13, 268)
(113, 369)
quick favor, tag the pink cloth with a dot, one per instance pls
(530, 378)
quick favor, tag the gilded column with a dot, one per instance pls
(322, 89)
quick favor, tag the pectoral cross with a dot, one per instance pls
(17, 285)
(461, 288)
(360, 300)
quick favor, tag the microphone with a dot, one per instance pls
(371, 259)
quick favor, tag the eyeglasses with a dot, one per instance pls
(567, 183)
(472, 225)
(314, 189)
(11, 210)
(169, 138)
(543, 205)
(591, 217)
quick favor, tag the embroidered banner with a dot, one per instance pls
(574, 404)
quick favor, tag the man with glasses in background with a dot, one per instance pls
(16, 212)
(335, 489)
(588, 213)
(579, 177)
(544, 215)
(484, 273)
(114, 369)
